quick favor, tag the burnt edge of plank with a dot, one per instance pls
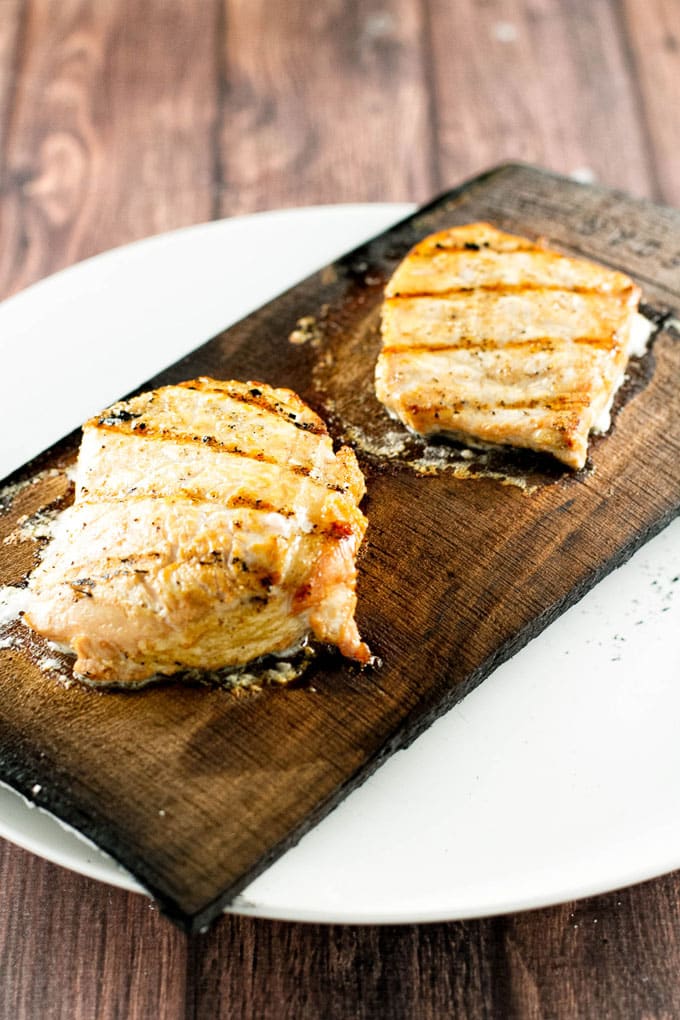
(395, 242)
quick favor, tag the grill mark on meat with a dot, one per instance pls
(254, 397)
(484, 246)
(502, 289)
(425, 249)
(240, 501)
(423, 256)
(151, 432)
(109, 567)
(554, 402)
(547, 343)
(254, 503)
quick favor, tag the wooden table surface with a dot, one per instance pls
(120, 119)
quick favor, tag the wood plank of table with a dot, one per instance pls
(546, 82)
(653, 34)
(613, 956)
(330, 105)
(73, 949)
(110, 133)
(10, 27)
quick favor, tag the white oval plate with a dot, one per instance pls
(557, 778)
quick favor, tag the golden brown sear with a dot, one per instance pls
(493, 338)
(212, 523)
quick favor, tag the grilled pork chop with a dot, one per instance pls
(490, 337)
(212, 524)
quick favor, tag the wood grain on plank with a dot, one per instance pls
(653, 30)
(74, 949)
(110, 134)
(329, 105)
(543, 82)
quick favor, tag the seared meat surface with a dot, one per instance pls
(496, 339)
(212, 524)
